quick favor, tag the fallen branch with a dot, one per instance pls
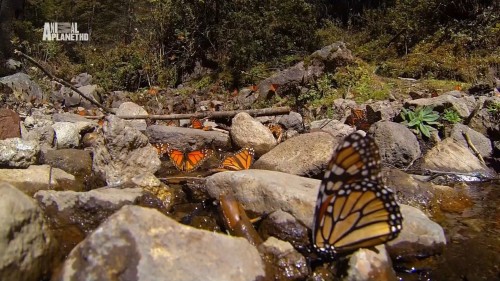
(61, 81)
(471, 145)
(211, 115)
(237, 221)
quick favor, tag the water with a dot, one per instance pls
(473, 236)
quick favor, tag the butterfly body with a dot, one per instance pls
(241, 160)
(354, 209)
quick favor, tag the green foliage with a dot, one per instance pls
(452, 40)
(494, 107)
(494, 110)
(359, 80)
(421, 119)
(451, 116)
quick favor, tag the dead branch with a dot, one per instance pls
(471, 145)
(210, 115)
(61, 81)
(237, 221)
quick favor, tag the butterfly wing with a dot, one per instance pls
(161, 148)
(177, 157)
(194, 159)
(241, 160)
(354, 209)
(196, 123)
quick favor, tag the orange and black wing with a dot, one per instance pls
(241, 160)
(195, 159)
(354, 209)
(196, 123)
(177, 157)
(161, 148)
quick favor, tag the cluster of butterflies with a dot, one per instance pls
(189, 161)
(354, 209)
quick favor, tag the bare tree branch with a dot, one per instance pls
(53, 77)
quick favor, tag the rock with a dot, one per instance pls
(13, 65)
(419, 238)
(398, 146)
(36, 178)
(74, 161)
(246, 97)
(284, 226)
(450, 156)
(42, 135)
(304, 155)
(367, 265)
(123, 153)
(424, 195)
(264, 191)
(292, 121)
(335, 128)
(38, 118)
(130, 108)
(328, 58)
(91, 91)
(142, 244)
(9, 124)
(441, 102)
(247, 132)
(22, 88)
(485, 121)
(342, 108)
(67, 135)
(187, 138)
(287, 263)
(82, 124)
(79, 213)
(82, 79)
(18, 153)
(388, 109)
(481, 142)
(73, 99)
(26, 244)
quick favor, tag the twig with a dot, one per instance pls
(210, 115)
(469, 142)
(237, 221)
(61, 81)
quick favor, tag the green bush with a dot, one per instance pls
(421, 119)
(451, 116)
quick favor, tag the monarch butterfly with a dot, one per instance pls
(273, 87)
(241, 160)
(277, 130)
(161, 148)
(188, 161)
(363, 119)
(354, 209)
(198, 124)
(173, 123)
(253, 88)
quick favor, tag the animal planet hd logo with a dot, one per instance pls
(63, 31)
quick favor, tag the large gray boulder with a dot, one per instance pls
(26, 244)
(142, 244)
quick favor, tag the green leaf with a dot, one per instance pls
(414, 122)
(430, 117)
(425, 130)
(411, 115)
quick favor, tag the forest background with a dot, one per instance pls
(144, 43)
